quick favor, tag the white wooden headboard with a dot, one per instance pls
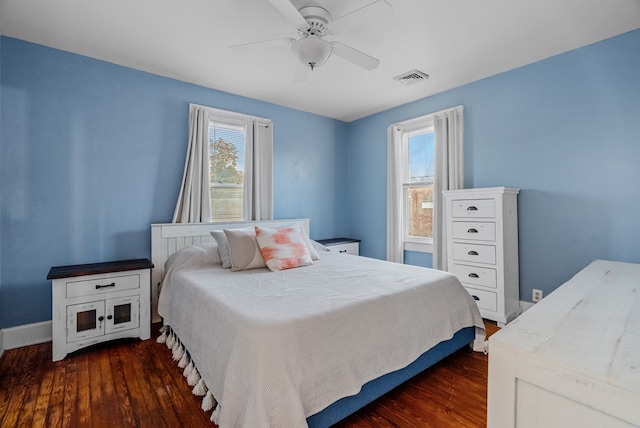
(168, 238)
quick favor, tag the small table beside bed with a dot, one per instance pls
(298, 346)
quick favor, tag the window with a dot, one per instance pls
(228, 174)
(226, 170)
(418, 185)
(424, 158)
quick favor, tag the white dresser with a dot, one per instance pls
(573, 359)
(482, 248)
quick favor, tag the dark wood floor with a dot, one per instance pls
(134, 383)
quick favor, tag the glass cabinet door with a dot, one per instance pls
(122, 314)
(85, 320)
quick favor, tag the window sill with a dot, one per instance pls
(418, 246)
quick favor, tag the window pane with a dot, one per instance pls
(86, 320)
(122, 313)
(226, 203)
(420, 185)
(226, 157)
(421, 156)
(420, 211)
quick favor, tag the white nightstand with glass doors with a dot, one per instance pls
(97, 302)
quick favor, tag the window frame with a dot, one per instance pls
(248, 122)
(241, 125)
(410, 128)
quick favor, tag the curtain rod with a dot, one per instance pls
(417, 119)
(222, 111)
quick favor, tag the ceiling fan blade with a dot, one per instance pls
(302, 73)
(289, 11)
(359, 17)
(355, 56)
(265, 44)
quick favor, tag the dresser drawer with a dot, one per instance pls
(483, 277)
(348, 248)
(102, 284)
(474, 230)
(474, 253)
(486, 300)
(473, 208)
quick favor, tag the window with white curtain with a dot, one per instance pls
(228, 173)
(424, 157)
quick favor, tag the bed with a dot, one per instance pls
(302, 346)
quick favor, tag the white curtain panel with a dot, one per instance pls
(449, 174)
(395, 165)
(259, 181)
(193, 201)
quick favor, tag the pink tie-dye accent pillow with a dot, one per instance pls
(283, 248)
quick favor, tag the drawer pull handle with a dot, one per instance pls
(472, 208)
(473, 253)
(343, 251)
(98, 286)
(475, 297)
(472, 231)
(473, 275)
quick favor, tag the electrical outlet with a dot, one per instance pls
(536, 296)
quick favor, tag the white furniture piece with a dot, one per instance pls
(342, 245)
(573, 359)
(93, 303)
(482, 248)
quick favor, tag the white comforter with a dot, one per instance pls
(277, 347)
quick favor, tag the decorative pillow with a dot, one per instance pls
(310, 247)
(223, 248)
(283, 248)
(243, 249)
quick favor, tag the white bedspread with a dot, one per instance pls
(277, 347)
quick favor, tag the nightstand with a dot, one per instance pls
(342, 245)
(97, 302)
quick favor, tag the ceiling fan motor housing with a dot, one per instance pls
(317, 19)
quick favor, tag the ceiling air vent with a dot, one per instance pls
(411, 77)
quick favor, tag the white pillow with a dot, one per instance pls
(194, 256)
(223, 248)
(243, 249)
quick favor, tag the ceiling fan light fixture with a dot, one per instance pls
(312, 51)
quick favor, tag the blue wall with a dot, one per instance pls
(92, 154)
(565, 130)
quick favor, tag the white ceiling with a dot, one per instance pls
(454, 41)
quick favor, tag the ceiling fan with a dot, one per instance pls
(313, 23)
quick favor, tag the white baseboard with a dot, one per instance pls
(25, 335)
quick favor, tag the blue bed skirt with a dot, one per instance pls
(380, 386)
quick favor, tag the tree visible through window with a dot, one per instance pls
(226, 160)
